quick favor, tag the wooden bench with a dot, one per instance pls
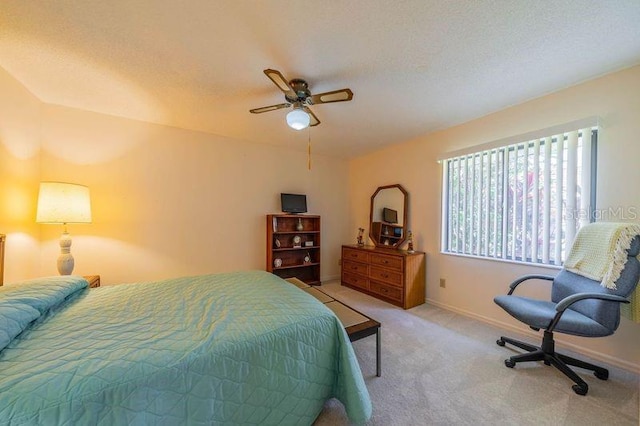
(355, 323)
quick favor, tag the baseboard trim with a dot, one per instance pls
(626, 365)
(330, 278)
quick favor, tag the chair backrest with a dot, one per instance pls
(606, 313)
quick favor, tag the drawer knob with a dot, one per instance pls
(385, 275)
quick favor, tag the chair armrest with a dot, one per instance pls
(524, 278)
(562, 305)
(570, 300)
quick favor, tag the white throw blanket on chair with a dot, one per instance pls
(599, 251)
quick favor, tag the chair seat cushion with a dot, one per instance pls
(539, 314)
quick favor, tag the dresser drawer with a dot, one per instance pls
(386, 275)
(385, 290)
(357, 255)
(355, 268)
(355, 280)
(392, 262)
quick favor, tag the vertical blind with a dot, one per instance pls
(522, 201)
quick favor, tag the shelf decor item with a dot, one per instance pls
(307, 258)
(277, 243)
(410, 239)
(277, 262)
(297, 241)
(299, 226)
(360, 234)
(308, 243)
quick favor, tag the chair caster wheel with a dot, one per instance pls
(580, 389)
(509, 363)
(601, 374)
(500, 342)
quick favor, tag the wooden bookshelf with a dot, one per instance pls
(291, 245)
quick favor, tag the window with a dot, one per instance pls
(520, 201)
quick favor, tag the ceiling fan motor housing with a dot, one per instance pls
(301, 88)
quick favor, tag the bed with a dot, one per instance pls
(235, 348)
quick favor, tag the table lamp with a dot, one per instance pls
(64, 203)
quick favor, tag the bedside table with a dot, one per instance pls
(94, 280)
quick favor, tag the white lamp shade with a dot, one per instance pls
(60, 202)
(298, 119)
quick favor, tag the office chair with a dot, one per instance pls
(579, 306)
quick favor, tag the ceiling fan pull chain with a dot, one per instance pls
(309, 150)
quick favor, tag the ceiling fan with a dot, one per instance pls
(296, 93)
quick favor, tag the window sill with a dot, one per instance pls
(513, 262)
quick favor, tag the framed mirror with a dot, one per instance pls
(388, 216)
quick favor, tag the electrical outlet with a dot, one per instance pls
(443, 283)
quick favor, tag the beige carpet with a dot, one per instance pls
(441, 368)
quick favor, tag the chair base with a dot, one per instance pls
(549, 356)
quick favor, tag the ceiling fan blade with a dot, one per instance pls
(334, 96)
(269, 108)
(282, 83)
(313, 119)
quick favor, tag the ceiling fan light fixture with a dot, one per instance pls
(298, 119)
(296, 93)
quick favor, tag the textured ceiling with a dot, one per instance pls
(415, 66)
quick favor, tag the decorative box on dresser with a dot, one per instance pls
(395, 276)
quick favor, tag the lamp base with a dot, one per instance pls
(65, 260)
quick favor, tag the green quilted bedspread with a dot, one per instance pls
(238, 348)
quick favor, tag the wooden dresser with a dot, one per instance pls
(394, 276)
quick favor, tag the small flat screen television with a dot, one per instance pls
(389, 215)
(293, 203)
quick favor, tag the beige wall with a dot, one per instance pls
(471, 283)
(170, 202)
(19, 177)
(166, 202)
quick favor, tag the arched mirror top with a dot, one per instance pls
(388, 216)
